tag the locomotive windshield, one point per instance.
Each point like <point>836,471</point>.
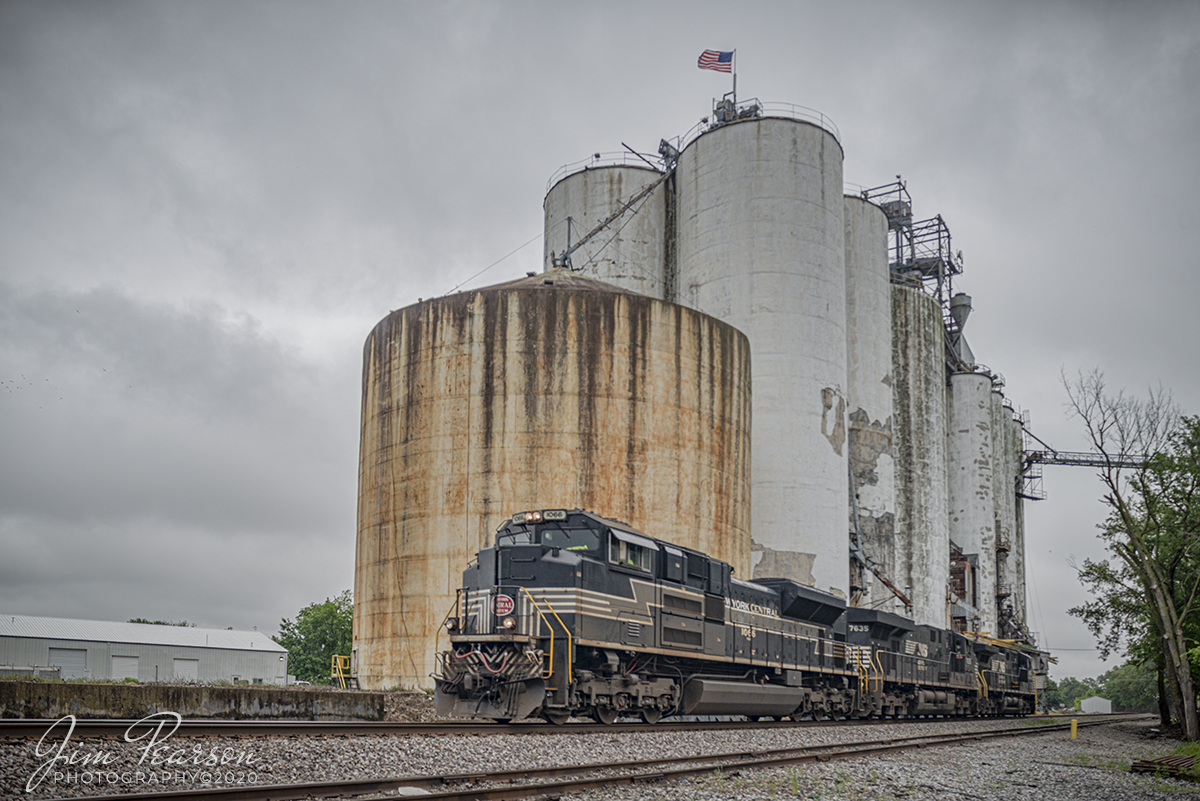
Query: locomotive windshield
<point>550,535</point>
<point>572,539</point>
<point>515,536</point>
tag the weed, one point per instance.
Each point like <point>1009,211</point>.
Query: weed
<point>1172,789</point>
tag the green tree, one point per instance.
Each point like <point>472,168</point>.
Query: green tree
<point>1131,687</point>
<point>1070,691</point>
<point>1154,517</point>
<point>319,631</point>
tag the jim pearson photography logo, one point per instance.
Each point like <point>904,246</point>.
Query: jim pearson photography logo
<point>158,763</point>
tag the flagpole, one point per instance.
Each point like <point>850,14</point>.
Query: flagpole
<point>735,76</point>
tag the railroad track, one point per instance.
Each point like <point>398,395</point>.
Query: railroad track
<point>553,781</point>
<point>18,728</point>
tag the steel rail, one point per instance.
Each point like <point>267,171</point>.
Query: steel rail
<point>24,728</point>
<point>640,771</point>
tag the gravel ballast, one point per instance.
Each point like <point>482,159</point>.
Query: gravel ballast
<point>1046,766</point>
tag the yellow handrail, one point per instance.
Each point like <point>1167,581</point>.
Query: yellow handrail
<point>551,628</point>
<point>982,683</point>
<point>878,671</point>
<point>340,669</point>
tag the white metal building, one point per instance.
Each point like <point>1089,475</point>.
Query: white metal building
<point>101,649</point>
<point>1096,705</point>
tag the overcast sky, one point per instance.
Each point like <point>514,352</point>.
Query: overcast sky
<point>205,207</point>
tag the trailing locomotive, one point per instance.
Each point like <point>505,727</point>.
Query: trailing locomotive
<point>572,614</point>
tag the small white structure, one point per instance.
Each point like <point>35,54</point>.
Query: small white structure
<point>1096,705</point>
<point>101,649</point>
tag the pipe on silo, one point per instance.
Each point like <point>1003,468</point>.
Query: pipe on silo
<point>760,245</point>
<point>869,397</point>
<point>922,559</point>
<point>971,462</point>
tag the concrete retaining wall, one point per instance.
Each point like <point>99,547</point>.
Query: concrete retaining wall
<point>33,699</point>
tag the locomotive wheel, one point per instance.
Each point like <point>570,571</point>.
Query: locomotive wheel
<point>651,714</point>
<point>557,718</point>
<point>605,714</point>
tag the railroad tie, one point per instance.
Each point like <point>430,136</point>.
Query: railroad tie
<point>1171,765</point>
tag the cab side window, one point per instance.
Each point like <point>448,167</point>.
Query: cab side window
<point>629,555</point>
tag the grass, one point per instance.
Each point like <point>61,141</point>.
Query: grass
<point>1193,750</point>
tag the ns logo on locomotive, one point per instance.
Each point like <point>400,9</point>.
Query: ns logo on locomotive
<point>573,614</point>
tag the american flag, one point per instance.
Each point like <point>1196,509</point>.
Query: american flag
<point>719,60</point>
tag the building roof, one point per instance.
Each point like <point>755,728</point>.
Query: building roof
<point>59,628</point>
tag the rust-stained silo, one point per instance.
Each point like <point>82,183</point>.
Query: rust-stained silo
<point>554,391</point>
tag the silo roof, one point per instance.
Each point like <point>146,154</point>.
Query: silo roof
<point>558,278</point>
<point>58,628</point>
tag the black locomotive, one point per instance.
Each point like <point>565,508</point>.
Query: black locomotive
<point>573,614</point>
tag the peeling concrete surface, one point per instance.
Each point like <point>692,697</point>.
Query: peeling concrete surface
<point>972,502</point>
<point>834,431</point>
<point>922,552</point>
<point>769,563</point>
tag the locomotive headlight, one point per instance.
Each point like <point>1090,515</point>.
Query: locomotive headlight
<point>451,624</point>
<point>533,517</point>
<point>509,623</point>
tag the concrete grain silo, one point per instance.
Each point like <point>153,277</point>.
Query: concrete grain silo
<point>970,466</point>
<point>554,391</point>
<point>759,217</point>
<point>1016,557</point>
<point>919,395</point>
<point>869,397</point>
<point>631,252</point>
<point>1004,496</point>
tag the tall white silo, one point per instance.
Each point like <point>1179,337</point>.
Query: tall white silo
<point>919,398</point>
<point>759,216</point>
<point>970,462</point>
<point>631,252</point>
<point>869,399</point>
<point>1004,499</point>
